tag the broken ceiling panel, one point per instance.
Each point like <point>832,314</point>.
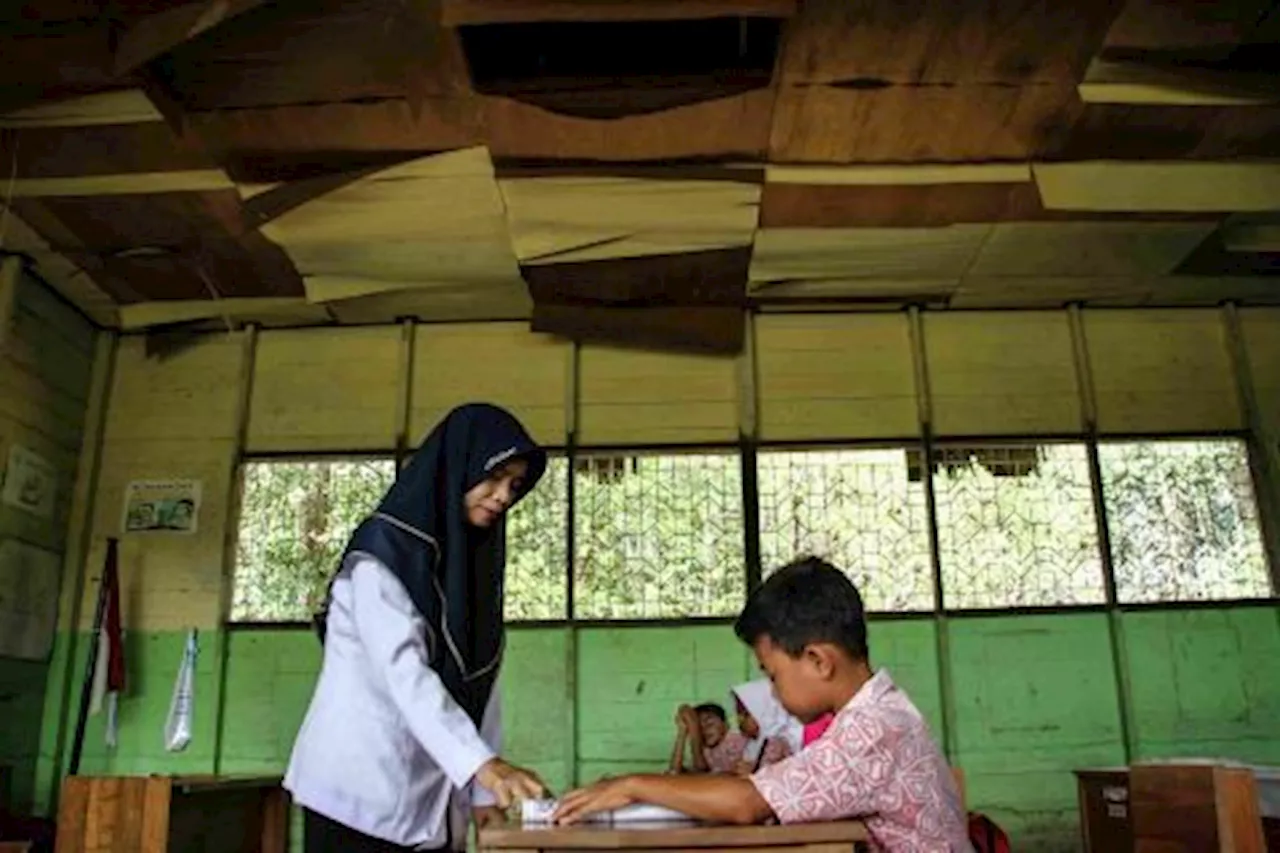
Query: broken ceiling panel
<point>1091,249</point>
<point>791,254</point>
<point>59,272</point>
<point>234,312</point>
<point>437,304</point>
<point>562,219</point>
<point>1206,187</point>
<point>437,218</point>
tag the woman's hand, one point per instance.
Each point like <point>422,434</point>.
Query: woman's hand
<point>510,784</point>
<point>487,816</point>
<point>603,796</point>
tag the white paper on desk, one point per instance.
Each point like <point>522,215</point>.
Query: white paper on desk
<point>540,812</point>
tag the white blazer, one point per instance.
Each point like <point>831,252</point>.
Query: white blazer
<point>384,748</point>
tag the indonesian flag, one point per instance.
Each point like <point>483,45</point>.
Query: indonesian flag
<point>108,674</point>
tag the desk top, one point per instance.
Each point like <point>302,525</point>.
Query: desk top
<point>673,835</point>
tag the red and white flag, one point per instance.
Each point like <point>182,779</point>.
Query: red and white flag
<point>108,673</point>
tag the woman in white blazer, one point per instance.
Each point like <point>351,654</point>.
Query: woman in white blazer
<point>403,730</point>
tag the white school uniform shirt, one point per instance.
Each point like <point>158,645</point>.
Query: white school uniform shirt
<point>384,749</point>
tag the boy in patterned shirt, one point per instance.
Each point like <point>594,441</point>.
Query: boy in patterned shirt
<point>876,762</point>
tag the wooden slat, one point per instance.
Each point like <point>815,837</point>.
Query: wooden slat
<point>1001,373</point>
<point>146,38</point>
<point>591,837</point>
<point>155,818</point>
<point>1108,82</point>
<point>330,389</point>
<point>1161,371</point>
<point>835,376</point>
<point>73,814</point>
<point>785,205</point>
<point>634,397</point>
<point>1092,249</point>
<point>457,13</point>
<point>118,107</point>
<point>790,254</point>
<point>501,363</point>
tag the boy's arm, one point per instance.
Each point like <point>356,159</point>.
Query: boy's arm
<point>719,798</point>
<point>676,764</point>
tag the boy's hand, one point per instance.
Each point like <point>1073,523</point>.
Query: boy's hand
<point>603,796</point>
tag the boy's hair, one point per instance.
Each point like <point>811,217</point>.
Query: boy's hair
<point>712,708</point>
<point>806,601</point>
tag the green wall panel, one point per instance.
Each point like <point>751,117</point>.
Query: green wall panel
<point>630,681</point>
<point>1035,698</point>
<point>22,688</point>
<point>908,651</point>
<point>1206,683</point>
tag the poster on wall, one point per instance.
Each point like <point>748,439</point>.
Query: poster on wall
<point>162,506</point>
<point>30,482</point>
<point>28,599</point>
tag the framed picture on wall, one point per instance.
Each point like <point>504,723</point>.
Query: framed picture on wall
<point>30,482</point>
<point>162,506</point>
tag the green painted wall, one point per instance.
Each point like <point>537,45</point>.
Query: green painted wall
<point>1033,698</point>
<point>22,689</point>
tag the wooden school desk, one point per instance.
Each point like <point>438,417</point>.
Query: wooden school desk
<point>838,837</point>
<point>157,814</point>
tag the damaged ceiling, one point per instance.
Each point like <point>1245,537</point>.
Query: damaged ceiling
<point>640,171</point>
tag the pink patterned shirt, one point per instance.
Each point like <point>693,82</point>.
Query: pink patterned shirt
<point>724,756</point>
<point>876,762</point>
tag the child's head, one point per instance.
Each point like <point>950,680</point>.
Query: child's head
<point>807,627</point>
<point>746,723</point>
<point>713,722</point>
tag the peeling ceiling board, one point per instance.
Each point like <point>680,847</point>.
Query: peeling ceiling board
<point>1134,83</point>
<point>715,277</point>
<point>1123,186</point>
<point>59,272</point>
<point>1050,291</point>
<point>123,106</point>
<point>271,144</point>
<point>287,311</point>
<point>786,205</point>
<point>115,152</point>
<point>896,175</point>
<point>133,184</point>
<point>1143,132</point>
<point>484,303</point>
<point>733,127</point>
<point>1259,233</point>
<point>434,218</point>
<point>855,290</point>
<point>563,219</point>
<point>941,124</point>
<point>786,254</point>
<point>1091,249</point>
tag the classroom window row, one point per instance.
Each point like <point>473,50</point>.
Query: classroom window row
<point>662,535</point>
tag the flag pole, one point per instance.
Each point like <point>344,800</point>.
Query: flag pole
<point>86,690</point>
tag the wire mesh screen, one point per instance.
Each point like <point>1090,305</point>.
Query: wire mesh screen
<point>537,549</point>
<point>658,536</point>
<point>295,520</point>
<point>858,509</point>
<point>1183,520</point>
<point>1016,526</point>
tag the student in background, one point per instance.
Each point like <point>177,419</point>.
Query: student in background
<point>876,762</point>
<point>704,731</point>
<point>768,728</point>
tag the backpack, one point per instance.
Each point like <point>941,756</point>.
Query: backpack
<point>986,836</point>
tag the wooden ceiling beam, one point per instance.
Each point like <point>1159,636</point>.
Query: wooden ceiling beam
<point>457,13</point>
<point>1111,82</point>
<point>147,38</point>
<point>1108,185</point>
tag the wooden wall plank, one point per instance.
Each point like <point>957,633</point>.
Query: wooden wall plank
<point>835,376</point>
<point>1161,370</point>
<point>502,363</point>
<point>636,397</point>
<point>1001,373</point>
<point>328,389</point>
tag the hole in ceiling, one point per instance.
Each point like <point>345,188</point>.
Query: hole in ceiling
<point>593,69</point>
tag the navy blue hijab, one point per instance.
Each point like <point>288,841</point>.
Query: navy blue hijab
<point>452,571</point>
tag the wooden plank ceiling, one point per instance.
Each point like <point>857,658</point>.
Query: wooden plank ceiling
<point>640,174</point>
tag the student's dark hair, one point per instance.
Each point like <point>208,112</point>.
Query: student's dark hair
<point>712,708</point>
<point>806,601</point>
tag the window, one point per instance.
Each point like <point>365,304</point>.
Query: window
<point>1183,521</point>
<point>1016,526</point>
<point>536,552</point>
<point>295,520</point>
<point>658,536</point>
<point>859,509</point>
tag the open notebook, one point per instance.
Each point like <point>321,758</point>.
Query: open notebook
<point>540,812</point>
